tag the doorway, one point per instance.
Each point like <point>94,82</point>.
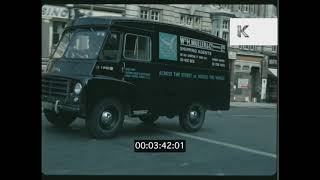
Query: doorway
<point>255,84</point>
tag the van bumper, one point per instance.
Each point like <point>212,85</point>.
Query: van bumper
<point>57,107</point>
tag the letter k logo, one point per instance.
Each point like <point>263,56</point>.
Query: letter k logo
<point>241,31</point>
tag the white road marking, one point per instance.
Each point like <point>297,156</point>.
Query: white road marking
<point>244,115</point>
<point>234,146</point>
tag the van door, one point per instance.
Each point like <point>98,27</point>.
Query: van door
<point>108,63</point>
<point>138,66</point>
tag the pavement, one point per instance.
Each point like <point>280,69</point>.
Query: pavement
<point>253,105</point>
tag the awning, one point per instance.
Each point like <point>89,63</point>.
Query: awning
<point>273,71</point>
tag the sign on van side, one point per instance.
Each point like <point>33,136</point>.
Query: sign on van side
<point>196,43</point>
<point>167,46</point>
<point>191,50</point>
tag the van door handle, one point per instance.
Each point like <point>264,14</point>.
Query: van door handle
<point>123,67</point>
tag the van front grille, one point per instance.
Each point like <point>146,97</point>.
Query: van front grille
<point>56,87</point>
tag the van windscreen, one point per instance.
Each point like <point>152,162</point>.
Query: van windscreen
<point>80,44</point>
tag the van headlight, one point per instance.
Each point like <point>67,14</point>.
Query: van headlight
<point>77,88</point>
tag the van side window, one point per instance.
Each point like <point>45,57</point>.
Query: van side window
<point>137,47</point>
<point>111,48</point>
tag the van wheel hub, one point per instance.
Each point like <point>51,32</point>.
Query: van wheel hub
<point>194,114</point>
<point>106,117</point>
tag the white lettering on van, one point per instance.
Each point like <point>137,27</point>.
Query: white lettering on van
<point>186,41</point>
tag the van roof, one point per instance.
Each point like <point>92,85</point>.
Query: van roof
<point>109,20</point>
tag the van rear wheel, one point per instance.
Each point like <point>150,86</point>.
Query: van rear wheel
<point>192,117</point>
<point>62,119</point>
<point>105,119</point>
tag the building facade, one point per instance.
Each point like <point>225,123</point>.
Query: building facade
<point>253,68</point>
<point>251,79</point>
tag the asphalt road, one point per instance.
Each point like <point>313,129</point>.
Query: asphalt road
<point>241,141</point>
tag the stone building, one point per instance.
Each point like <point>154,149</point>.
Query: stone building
<point>250,73</point>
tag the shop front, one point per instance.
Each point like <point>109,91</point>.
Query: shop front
<point>232,55</point>
<point>247,78</point>
<point>272,80</point>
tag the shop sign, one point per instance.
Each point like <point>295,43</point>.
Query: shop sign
<point>55,11</point>
<point>232,55</point>
<point>63,12</point>
<point>243,83</point>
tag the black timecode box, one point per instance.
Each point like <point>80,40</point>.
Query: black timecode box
<point>159,146</point>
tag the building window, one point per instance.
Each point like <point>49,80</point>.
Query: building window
<point>218,33</point>
<point>144,14</point>
<point>216,23</point>
<point>155,15</point>
<point>246,47</point>
<point>191,21</point>
<point>137,47</point>
<point>274,48</point>
<point>150,14</point>
<point>246,8</point>
<point>197,22</point>
<point>245,68</point>
<point>252,9</point>
<point>225,35</point>
<point>183,19</point>
<point>58,28</point>
<point>225,24</point>
<point>274,11</point>
<point>237,67</point>
<point>252,48</point>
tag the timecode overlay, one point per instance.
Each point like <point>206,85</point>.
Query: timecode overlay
<point>159,146</point>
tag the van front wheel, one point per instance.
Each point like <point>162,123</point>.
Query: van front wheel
<point>192,117</point>
<point>105,119</point>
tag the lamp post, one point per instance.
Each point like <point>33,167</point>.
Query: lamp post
<point>70,7</point>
